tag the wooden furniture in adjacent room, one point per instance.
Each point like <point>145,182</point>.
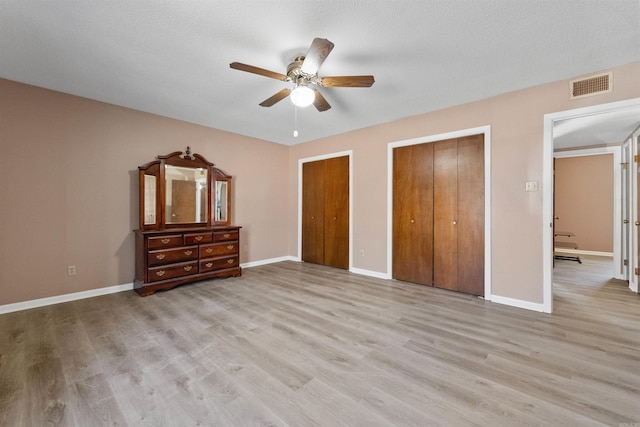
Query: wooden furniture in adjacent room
<point>325,212</point>
<point>185,233</point>
<point>565,245</point>
<point>438,214</point>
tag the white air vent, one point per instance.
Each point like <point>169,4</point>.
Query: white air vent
<point>594,85</point>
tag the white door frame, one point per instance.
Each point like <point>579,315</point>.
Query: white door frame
<point>482,130</point>
<point>547,186</point>
<point>635,215</point>
<point>625,175</point>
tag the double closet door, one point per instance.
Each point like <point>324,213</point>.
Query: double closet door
<point>438,214</point>
<point>325,212</point>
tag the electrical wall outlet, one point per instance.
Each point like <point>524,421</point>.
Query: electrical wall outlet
<point>71,270</point>
<point>361,252</point>
<point>531,186</point>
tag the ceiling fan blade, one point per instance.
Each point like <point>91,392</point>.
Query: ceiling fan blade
<point>275,98</point>
<point>318,52</point>
<point>347,81</point>
<point>257,70</point>
<point>320,102</point>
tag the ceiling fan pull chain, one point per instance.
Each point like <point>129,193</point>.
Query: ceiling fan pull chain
<point>295,121</point>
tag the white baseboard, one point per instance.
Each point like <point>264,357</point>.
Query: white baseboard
<point>518,303</point>
<point>268,261</point>
<point>9,308</point>
<point>370,273</point>
<point>26,305</point>
<point>581,252</point>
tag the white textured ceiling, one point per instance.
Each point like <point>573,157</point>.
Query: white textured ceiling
<point>172,57</point>
<point>597,129</point>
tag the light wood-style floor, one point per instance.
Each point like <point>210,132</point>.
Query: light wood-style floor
<point>303,345</point>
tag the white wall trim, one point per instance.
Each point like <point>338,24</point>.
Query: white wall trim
<point>41,302</point>
<point>581,252</point>
<point>370,273</point>
<point>518,303</point>
<point>348,153</point>
<point>268,261</point>
<point>486,131</point>
<point>547,185</point>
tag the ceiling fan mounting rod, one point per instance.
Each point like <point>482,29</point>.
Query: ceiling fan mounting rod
<point>302,81</point>
<point>299,77</point>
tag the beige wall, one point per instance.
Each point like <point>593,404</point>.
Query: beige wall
<point>68,179</point>
<point>516,121</point>
<point>68,189</point>
<point>584,200</point>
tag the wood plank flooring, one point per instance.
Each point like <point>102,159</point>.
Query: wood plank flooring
<point>297,344</point>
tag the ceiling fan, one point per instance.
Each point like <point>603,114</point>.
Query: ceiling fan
<point>303,73</point>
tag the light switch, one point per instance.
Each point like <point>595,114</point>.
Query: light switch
<point>531,186</point>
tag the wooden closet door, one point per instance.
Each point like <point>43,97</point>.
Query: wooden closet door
<point>459,214</point>
<point>325,212</point>
<point>336,212</point>
<point>438,214</point>
<point>471,215</point>
<point>313,212</point>
<point>413,214</point>
<point>445,214</point>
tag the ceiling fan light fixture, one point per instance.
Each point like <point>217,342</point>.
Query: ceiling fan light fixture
<point>302,96</point>
<point>303,72</point>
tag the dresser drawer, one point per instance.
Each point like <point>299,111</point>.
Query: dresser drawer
<point>216,249</point>
<point>197,238</point>
<point>218,263</point>
<point>169,256</point>
<point>167,241</point>
<point>174,270</point>
<point>225,235</point>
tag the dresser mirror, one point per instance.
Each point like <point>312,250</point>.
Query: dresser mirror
<point>183,190</point>
<point>222,201</point>
<point>149,207</point>
<point>186,194</point>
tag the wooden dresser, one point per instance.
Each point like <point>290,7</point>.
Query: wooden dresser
<point>168,258</point>
<point>185,232</point>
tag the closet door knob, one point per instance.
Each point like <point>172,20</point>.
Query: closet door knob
<point>455,222</point>
<point>412,221</point>
<point>637,222</point>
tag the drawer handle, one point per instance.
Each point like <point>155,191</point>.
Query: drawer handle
<point>160,256</point>
<point>165,241</point>
<point>230,261</point>
<point>187,268</point>
<point>160,273</point>
<point>188,252</point>
<point>230,247</point>
<point>209,250</point>
<point>198,238</point>
<point>209,264</point>
<point>226,235</point>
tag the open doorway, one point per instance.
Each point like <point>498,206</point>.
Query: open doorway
<point>587,207</point>
<point>605,116</point>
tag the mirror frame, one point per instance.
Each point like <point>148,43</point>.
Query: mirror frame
<point>157,168</point>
